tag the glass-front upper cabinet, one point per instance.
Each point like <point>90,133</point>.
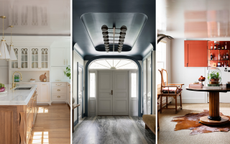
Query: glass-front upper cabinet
<point>34,58</point>
<point>31,58</point>
<point>39,58</point>
<point>24,58</point>
<point>44,58</point>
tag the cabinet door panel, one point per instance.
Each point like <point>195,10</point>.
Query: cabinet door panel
<point>196,53</point>
<point>58,57</point>
<point>45,96</point>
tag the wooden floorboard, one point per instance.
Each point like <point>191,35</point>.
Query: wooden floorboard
<point>112,130</point>
<point>52,125</point>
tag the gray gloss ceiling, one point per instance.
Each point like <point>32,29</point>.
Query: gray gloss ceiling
<point>145,41</point>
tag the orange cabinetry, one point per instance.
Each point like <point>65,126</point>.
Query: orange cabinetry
<point>195,53</point>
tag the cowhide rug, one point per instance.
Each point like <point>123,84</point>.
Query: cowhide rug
<point>191,121</point>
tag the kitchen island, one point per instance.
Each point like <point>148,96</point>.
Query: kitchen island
<point>18,110</point>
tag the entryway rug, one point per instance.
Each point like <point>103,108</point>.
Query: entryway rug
<point>191,121</point>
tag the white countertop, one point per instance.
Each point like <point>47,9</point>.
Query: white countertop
<point>17,97</point>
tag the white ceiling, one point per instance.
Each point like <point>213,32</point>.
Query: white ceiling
<point>194,18</point>
<point>36,17</point>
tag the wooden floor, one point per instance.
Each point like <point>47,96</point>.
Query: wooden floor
<point>52,125</point>
<point>112,130</point>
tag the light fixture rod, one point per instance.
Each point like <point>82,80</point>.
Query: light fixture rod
<point>11,42</point>
<point>114,31</point>
<point>3,17</point>
<point>113,28</point>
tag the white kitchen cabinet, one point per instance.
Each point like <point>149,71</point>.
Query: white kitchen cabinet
<point>22,55</point>
<point>44,93</point>
<point>39,58</point>
<point>59,92</point>
<point>31,58</point>
<point>60,57</point>
<point>57,74</point>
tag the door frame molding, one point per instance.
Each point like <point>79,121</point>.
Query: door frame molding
<point>140,113</point>
<point>81,66</point>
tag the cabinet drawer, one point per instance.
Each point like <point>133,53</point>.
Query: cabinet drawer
<point>58,84</point>
<point>59,96</point>
<point>59,89</point>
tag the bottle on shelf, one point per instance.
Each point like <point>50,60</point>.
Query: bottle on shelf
<point>214,45</point>
<point>219,46</point>
<point>225,46</point>
<point>211,47</point>
<point>226,56</point>
<point>225,64</point>
<point>222,64</point>
<point>219,64</point>
<point>222,47</point>
<point>211,57</point>
<point>219,56</point>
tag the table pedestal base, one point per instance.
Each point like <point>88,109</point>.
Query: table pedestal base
<point>204,120</point>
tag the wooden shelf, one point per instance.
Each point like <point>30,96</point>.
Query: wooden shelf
<point>218,60</point>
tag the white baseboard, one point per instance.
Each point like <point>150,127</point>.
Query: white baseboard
<point>193,101</point>
<point>190,101</point>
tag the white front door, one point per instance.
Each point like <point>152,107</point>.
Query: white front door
<point>120,93</point>
<point>113,95</point>
<point>105,92</point>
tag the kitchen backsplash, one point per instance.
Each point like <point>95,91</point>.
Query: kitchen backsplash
<point>27,75</point>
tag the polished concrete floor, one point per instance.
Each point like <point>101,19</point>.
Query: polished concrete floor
<point>52,125</point>
<point>167,135</point>
<point>112,130</point>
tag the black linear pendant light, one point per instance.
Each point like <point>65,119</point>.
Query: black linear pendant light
<point>116,37</point>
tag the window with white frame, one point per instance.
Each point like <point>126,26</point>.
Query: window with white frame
<point>160,59</point>
<point>92,84</point>
<point>133,83</point>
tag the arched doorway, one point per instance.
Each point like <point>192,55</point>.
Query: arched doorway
<point>113,64</point>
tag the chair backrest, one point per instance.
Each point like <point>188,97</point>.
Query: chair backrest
<point>163,82</point>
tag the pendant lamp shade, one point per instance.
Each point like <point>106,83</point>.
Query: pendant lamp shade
<point>12,53</point>
<point>4,51</point>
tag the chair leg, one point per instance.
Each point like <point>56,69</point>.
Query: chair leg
<point>166,102</point>
<point>160,104</point>
<point>175,104</point>
<point>180,102</point>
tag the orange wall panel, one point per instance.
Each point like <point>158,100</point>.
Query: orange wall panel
<point>195,53</point>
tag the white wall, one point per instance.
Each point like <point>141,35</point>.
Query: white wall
<point>186,75</point>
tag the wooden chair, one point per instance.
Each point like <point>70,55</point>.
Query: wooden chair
<point>169,90</point>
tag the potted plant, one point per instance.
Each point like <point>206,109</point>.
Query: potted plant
<point>214,77</point>
<point>67,72</point>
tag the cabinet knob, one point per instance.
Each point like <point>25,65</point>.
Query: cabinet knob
<point>58,90</point>
<point>58,96</point>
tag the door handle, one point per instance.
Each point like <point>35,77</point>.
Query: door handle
<point>111,92</point>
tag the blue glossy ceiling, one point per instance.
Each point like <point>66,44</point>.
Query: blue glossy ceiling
<point>111,11</point>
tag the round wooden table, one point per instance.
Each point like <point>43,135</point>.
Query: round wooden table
<point>214,117</point>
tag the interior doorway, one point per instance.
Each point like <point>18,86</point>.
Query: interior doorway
<point>113,92</point>
<point>113,87</point>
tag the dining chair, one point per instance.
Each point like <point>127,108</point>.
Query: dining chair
<point>169,90</point>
